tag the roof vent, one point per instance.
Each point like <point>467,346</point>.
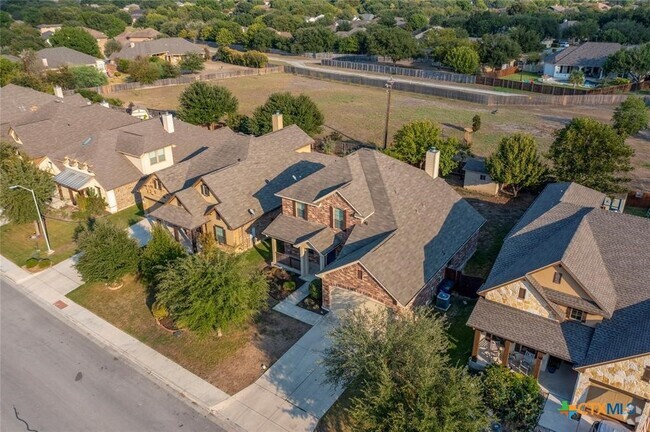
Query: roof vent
<point>87,141</point>
<point>251,211</point>
<point>294,177</point>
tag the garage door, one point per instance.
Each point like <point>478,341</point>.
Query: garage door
<point>614,399</point>
<point>342,300</point>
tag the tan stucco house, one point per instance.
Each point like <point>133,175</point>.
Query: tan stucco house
<point>372,225</point>
<point>228,190</point>
<point>568,302</point>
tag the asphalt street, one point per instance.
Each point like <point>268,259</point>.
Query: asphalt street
<point>53,379</point>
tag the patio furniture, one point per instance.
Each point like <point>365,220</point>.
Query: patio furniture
<point>529,358</point>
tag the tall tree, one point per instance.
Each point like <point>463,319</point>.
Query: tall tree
<point>112,46</point>
<point>401,375</point>
<point>107,253</point>
<point>516,164</point>
<point>592,154</point>
<point>396,43</point>
<point>633,62</point>
<point>299,110</point>
<point>496,50</point>
<point>8,70</point>
<point>631,116</point>
<point>206,104</point>
<point>16,169</point>
<point>463,59</point>
<point>77,39</point>
<point>411,142</point>
<point>192,62</point>
<point>212,291</point>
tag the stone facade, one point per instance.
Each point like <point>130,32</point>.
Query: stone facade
<point>348,278</point>
<point>124,195</point>
<point>509,295</point>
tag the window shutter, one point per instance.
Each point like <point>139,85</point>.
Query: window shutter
<point>345,219</point>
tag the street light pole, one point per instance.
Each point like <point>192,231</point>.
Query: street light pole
<point>389,87</point>
<point>40,217</point>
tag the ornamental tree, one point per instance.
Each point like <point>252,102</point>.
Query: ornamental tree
<point>16,169</point>
<point>411,142</point>
<point>396,43</point>
<point>463,59</point>
<point>516,164</point>
<point>206,104</point>
<point>632,62</point>
<point>77,39</point>
<point>211,291</point>
<point>107,253</point>
<point>161,250</point>
<point>592,154</point>
<point>401,375</point>
<point>631,116</point>
<point>299,110</point>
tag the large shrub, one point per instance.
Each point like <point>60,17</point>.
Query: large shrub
<point>253,59</point>
<point>107,252</point>
<point>300,110</point>
<point>206,104</point>
<point>161,250</point>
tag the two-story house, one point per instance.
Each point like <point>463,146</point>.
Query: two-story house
<point>228,191</point>
<point>92,149</point>
<point>568,302</point>
<point>372,225</point>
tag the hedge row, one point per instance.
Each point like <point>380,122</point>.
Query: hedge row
<point>253,59</point>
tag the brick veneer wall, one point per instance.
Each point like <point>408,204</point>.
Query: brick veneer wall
<point>425,295</point>
<point>464,253</point>
<point>323,213</point>
<point>347,278</point>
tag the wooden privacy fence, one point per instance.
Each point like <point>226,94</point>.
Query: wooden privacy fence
<point>187,79</point>
<point>401,71</point>
<point>468,94</point>
<point>555,90</point>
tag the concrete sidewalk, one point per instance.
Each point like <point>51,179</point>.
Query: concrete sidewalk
<point>48,289</point>
<point>13,272</point>
<point>289,306</point>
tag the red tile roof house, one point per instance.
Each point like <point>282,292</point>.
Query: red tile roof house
<point>568,302</point>
<point>375,226</point>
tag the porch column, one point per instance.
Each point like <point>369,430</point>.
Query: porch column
<point>322,261</point>
<point>274,251</point>
<point>477,340</point>
<point>506,353</point>
<point>304,263</point>
<point>538,364</point>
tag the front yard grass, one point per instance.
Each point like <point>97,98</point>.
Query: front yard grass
<point>231,362</point>
<point>18,246</point>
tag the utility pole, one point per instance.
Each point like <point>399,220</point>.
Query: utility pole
<point>389,87</point>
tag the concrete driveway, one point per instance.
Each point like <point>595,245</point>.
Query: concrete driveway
<point>291,395</point>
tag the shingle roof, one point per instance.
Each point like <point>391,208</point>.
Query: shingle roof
<point>95,33</point>
<point>408,213</point>
<point>475,165</point>
<point>297,231</point>
<point>15,101</point>
<point>63,56</point>
<point>591,54</point>
<point>567,340</point>
<point>606,252</point>
<point>172,46</point>
<point>139,33</point>
<point>177,216</point>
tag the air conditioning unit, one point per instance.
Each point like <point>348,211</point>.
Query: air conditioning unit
<point>443,301</point>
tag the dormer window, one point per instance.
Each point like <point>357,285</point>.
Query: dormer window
<point>205,191</point>
<point>576,315</point>
<point>557,277</point>
<point>156,156</point>
<point>300,210</point>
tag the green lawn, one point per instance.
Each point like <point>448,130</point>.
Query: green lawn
<point>257,257</point>
<point>460,336</point>
<point>18,246</point>
<point>527,76</point>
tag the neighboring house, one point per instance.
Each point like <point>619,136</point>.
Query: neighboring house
<point>139,35</point>
<point>477,177</point>
<point>11,58</point>
<point>589,57</point>
<point>169,49</point>
<point>55,58</point>
<point>100,38</point>
<point>372,225</point>
<point>228,191</point>
<point>90,147</point>
<point>48,28</point>
<point>568,302</point>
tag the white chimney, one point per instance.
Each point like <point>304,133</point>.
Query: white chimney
<point>44,60</point>
<point>278,122</point>
<point>104,104</point>
<point>168,122</point>
<point>58,91</point>
<point>131,44</point>
<point>432,162</point>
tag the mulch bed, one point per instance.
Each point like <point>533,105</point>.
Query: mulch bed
<point>277,278</point>
<point>312,305</point>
